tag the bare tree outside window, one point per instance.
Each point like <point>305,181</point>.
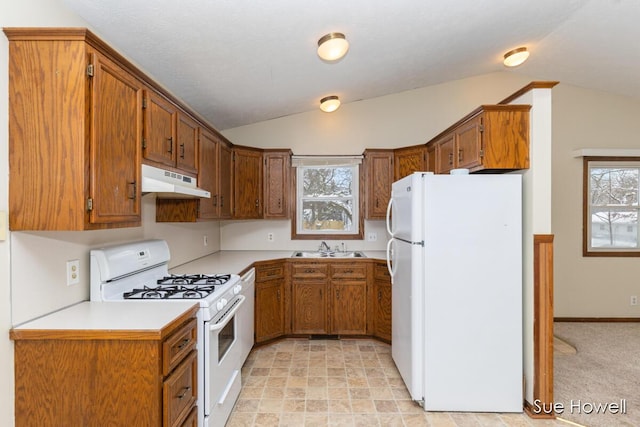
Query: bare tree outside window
<point>613,205</point>
<point>327,199</point>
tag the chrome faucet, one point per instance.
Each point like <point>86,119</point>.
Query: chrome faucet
<point>324,247</point>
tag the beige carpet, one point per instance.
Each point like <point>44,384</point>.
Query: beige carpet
<point>603,370</point>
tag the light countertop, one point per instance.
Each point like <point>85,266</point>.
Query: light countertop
<point>140,317</point>
<point>236,261</point>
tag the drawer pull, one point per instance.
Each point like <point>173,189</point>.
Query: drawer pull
<point>309,270</point>
<point>184,343</point>
<point>185,390</point>
<point>349,271</point>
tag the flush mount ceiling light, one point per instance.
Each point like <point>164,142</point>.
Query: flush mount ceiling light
<point>329,104</point>
<point>515,57</point>
<point>332,46</point>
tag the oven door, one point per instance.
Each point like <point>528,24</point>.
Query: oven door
<point>222,380</point>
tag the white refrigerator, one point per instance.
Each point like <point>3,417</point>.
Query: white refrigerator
<point>455,257</point>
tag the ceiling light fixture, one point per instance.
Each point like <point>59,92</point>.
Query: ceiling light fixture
<point>515,57</point>
<point>329,104</point>
<point>332,46</point>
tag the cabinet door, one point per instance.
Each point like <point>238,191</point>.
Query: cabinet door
<point>382,310</point>
<point>247,183</point>
<point>269,310</point>
<point>431,158</point>
<point>187,143</point>
<point>409,160</point>
<point>469,144</point>
<point>349,307</point>
<point>379,173</point>
<point>116,116</point>
<point>159,130</point>
<point>445,154</point>
<point>276,184</point>
<point>225,180</point>
<point>208,174</point>
<point>310,307</point>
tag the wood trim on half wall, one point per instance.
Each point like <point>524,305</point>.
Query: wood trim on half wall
<point>542,326</point>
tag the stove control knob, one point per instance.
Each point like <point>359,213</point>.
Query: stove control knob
<point>221,303</point>
<point>237,289</point>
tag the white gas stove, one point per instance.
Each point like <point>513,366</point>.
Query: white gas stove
<point>139,271</point>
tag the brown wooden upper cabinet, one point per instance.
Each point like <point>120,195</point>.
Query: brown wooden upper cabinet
<point>277,167</point>
<point>214,158</point>
<point>378,172</point>
<point>73,167</point>
<point>170,136</point>
<point>492,137</point>
<point>247,183</point>
<point>408,160</point>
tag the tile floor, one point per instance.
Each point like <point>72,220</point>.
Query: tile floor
<point>349,382</point>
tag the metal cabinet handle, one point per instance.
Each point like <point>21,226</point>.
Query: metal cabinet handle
<point>337,294</point>
<point>170,141</point>
<point>379,296</point>
<point>257,203</point>
<point>309,271</point>
<point>135,190</point>
<point>278,295</point>
<point>215,200</point>
<point>221,201</point>
<point>460,154</point>
<point>182,151</point>
<point>451,158</point>
<point>185,390</point>
<point>377,202</point>
<point>184,343</point>
<point>279,203</point>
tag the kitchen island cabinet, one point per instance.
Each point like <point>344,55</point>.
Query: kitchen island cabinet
<point>131,363</point>
<point>75,128</point>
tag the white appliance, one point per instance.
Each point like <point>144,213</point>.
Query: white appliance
<point>170,184</point>
<point>455,258</point>
<point>139,270</point>
<point>247,313</point>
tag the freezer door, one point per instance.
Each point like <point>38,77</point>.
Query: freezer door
<point>406,208</point>
<point>407,315</point>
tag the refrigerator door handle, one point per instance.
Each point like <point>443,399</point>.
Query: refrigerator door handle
<point>389,267</point>
<point>389,217</point>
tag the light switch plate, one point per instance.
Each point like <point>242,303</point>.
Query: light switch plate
<point>3,225</point>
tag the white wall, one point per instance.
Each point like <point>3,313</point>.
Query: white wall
<point>588,286</point>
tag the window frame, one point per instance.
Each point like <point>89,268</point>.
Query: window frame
<point>587,250</point>
<point>358,206</point>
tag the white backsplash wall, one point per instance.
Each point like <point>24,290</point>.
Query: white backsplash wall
<point>38,259</point>
<point>253,235</point>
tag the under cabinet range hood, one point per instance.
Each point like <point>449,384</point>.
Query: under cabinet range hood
<point>170,185</point>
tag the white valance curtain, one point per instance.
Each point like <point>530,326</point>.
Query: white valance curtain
<point>298,161</point>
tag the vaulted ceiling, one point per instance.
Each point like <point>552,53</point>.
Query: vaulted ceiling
<point>238,62</point>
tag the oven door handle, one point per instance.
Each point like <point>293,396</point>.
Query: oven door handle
<point>222,322</point>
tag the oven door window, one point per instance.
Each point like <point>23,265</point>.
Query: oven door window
<point>226,336</point>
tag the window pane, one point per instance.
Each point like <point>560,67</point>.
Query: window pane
<point>330,215</point>
<point>614,228</point>
<point>614,186</point>
<point>327,182</point>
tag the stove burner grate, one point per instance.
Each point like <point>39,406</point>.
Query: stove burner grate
<point>170,292</point>
<point>195,279</point>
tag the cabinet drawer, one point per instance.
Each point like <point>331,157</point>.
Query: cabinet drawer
<point>178,345</point>
<point>310,271</point>
<point>381,272</point>
<point>268,272</point>
<point>180,391</point>
<point>192,418</point>
<point>348,271</point>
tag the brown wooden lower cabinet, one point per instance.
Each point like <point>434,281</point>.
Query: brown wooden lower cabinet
<point>312,297</point>
<point>270,301</point>
<point>73,379</point>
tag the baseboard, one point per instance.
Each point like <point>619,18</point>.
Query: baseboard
<point>532,413</point>
<point>597,319</point>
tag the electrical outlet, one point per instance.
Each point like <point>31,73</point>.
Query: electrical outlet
<point>205,240</point>
<point>634,300</point>
<point>73,272</point>
<point>270,237</point>
<point>372,237</point>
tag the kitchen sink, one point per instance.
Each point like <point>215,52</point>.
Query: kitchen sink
<point>328,254</point>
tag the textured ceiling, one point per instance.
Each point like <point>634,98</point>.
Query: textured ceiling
<point>238,62</point>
